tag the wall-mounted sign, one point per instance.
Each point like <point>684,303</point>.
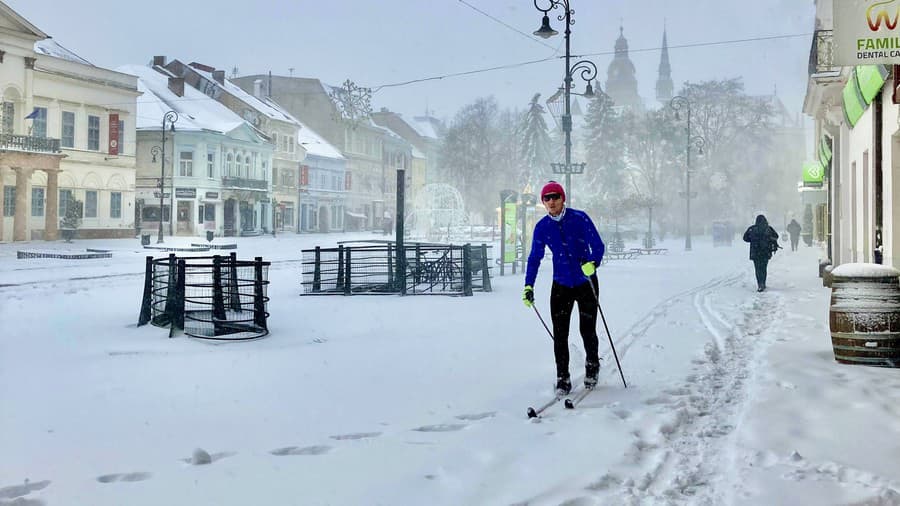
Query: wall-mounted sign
<point>866,32</point>
<point>114,134</point>
<point>212,195</point>
<point>185,193</point>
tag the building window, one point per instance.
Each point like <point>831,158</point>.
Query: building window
<point>121,139</point>
<point>94,133</point>
<point>275,139</point>
<point>65,196</point>
<point>90,204</point>
<point>9,201</point>
<point>37,201</point>
<point>39,122</point>
<point>288,217</point>
<point>246,170</point>
<point>238,161</point>
<point>229,164</point>
<point>287,177</point>
<point>68,130</point>
<point>186,163</point>
<point>9,117</point>
<point>210,165</point>
<point>115,205</point>
<point>265,170</point>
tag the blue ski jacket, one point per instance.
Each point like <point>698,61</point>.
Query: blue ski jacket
<point>573,240</point>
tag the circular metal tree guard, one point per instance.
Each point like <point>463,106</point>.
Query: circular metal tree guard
<point>219,298</point>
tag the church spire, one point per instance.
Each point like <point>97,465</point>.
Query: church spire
<point>664,86</point>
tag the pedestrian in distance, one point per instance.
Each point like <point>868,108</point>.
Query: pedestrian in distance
<point>794,229</point>
<point>763,241</point>
<point>577,251</point>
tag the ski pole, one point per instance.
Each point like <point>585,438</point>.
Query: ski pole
<point>542,321</point>
<point>611,345</point>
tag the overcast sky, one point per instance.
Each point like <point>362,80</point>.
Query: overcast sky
<point>382,42</point>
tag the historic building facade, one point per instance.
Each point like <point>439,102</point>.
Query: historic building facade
<point>66,135</point>
<point>214,166</point>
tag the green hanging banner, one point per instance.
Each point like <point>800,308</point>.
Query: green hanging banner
<point>813,173</point>
<point>854,103</point>
<point>871,78</point>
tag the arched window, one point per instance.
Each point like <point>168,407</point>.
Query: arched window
<point>246,168</point>
<point>229,165</point>
<point>238,160</point>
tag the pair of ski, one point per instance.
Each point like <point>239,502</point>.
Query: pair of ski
<point>573,399</point>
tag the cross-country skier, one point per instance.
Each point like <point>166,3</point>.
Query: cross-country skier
<point>577,250</point>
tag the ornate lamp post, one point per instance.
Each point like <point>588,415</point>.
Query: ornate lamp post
<point>170,117</point>
<point>677,104</point>
<point>586,70</point>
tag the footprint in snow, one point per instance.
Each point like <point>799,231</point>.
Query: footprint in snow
<point>26,488</point>
<point>358,435</point>
<point>477,416</point>
<point>200,457</point>
<point>442,427</point>
<point>130,477</point>
<point>306,450</point>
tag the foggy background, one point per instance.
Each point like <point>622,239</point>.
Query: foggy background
<point>387,42</point>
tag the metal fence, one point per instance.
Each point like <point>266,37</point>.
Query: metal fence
<point>218,298</point>
<point>419,269</point>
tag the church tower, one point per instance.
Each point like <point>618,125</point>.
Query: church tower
<point>664,86</point>
<point>621,82</point>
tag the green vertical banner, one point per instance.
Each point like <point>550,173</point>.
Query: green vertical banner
<point>509,240</point>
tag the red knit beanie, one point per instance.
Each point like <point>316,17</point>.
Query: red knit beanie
<point>553,187</point>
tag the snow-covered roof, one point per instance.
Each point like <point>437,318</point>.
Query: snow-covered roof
<point>50,47</point>
<point>262,106</point>
<point>196,111</point>
<point>424,127</point>
<point>316,144</point>
<point>417,154</point>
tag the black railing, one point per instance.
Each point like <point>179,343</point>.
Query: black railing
<point>242,182</point>
<point>429,269</point>
<point>821,55</point>
<point>29,143</point>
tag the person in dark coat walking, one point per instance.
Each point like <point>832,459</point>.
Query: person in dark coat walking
<point>794,229</point>
<point>763,241</point>
<point>577,251</point>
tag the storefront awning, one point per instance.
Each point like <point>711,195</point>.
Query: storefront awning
<point>825,156</point>
<point>854,103</point>
<point>861,89</point>
<point>871,79</point>
<point>813,173</point>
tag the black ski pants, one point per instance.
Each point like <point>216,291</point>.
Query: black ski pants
<point>562,300</point>
<point>760,265</point>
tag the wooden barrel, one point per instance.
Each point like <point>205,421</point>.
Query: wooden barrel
<point>865,314</point>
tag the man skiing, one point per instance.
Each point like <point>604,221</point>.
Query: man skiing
<point>577,250</point>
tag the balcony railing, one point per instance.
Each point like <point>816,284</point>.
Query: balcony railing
<point>242,182</point>
<point>821,55</point>
<point>29,143</point>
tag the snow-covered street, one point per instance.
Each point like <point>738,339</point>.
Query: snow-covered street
<point>733,396</point>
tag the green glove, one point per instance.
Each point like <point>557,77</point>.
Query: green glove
<point>588,268</point>
<point>528,296</point>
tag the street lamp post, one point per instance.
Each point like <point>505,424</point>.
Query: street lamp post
<point>678,103</point>
<point>170,117</point>
<point>587,71</point>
